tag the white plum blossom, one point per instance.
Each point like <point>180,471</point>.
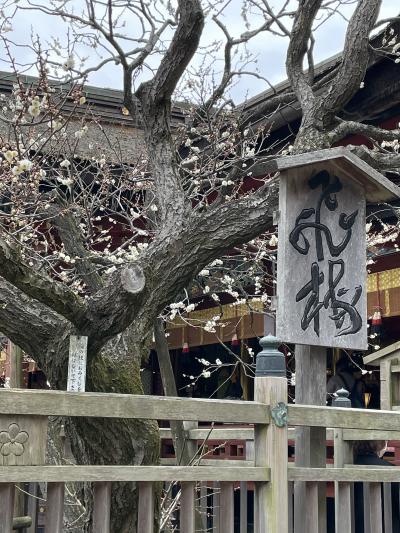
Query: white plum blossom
<point>34,108</point>
<point>69,63</point>
<point>273,241</point>
<point>22,166</point>
<point>10,155</point>
<point>65,181</point>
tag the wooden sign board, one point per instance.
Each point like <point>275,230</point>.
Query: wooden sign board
<point>322,298</point>
<point>321,295</point>
<point>77,364</point>
<point>322,272</point>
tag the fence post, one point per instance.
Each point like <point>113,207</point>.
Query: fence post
<point>270,441</point>
<point>343,454</point>
<point>17,382</point>
<point>6,507</point>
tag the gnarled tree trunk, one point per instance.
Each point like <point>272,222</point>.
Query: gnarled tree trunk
<point>110,441</point>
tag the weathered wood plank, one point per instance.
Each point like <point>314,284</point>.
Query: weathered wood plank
<point>146,508</point>
<point>311,517</point>
<point>216,507</point>
<point>203,504</point>
<point>236,463</point>
<point>375,502</point>
<point>243,507</point>
<point>343,454</point>
<point>367,509</point>
<point>314,416</point>
<point>32,507</point>
<point>387,508</point>
<point>375,356</point>
<point>226,507</point>
<point>16,356</point>
<point>61,403</point>
<point>187,507</point>
<point>54,506</point>
<point>290,506</point>
<point>101,506</point>
<point>370,434</point>
<point>356,473</point>
<point>343,507</point>
<point>310,447</point>
<point>270,447</point>
<point>386,385</point>
<point>235,433</point>
<point>33,430</point>
<point>6,507</point>
<point>65,473</point>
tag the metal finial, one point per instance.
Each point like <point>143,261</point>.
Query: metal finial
<point>342,398</point>
<point>270,361</point>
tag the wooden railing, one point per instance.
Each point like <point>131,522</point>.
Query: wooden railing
<point>28,408</point>
<point>274,479</point>
<point>349,425</point>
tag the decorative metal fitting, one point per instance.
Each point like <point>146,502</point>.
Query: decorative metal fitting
<point>270,361</point>
<point>342,398</point>
<point>279,414</point>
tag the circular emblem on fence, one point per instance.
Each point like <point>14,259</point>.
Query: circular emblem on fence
<point>12,441</point>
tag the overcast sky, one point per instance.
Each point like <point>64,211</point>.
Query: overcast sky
<point>269,50</point>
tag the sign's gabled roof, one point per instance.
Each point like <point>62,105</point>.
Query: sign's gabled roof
<point>377,187</point>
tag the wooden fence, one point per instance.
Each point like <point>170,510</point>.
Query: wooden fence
<point>274,480</point>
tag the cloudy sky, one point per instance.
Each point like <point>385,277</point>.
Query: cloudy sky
<point>269,50</point>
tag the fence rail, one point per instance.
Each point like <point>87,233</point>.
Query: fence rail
<point>66,473</point>
<point>274,479</point>
<point>91,404</point>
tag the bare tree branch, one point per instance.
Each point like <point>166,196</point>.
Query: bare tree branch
<point>378,160</point>
<point>27,322</point>
<point>298,45</point>
<point>72,240</point>
<point>354,63</point>
<point>183,45</point>
<point>39,286</point>
<point>346,128</point>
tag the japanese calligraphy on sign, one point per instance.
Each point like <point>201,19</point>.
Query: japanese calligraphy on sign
<point>77,364</point>
<point>321,261</point>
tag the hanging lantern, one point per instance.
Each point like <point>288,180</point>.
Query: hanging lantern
<point>185,348</point>
<point>235,340</point>
<point>376,322</point>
